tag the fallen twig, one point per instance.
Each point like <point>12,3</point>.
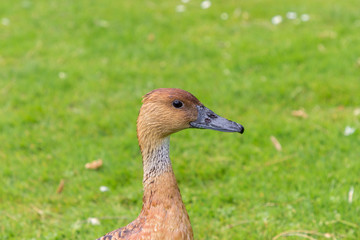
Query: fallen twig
<point>293,234</point>
<point>303,233</point>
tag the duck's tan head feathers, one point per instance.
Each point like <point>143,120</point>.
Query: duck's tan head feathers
<point>166,111</point>
<point>170,93</point>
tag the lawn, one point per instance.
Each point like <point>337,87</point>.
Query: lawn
<point>72,74</point>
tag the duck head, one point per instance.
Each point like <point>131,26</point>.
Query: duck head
<point>169,110</point>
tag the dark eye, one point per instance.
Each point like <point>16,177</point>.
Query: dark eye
<point>177,104</point>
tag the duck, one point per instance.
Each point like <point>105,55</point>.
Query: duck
<point>165,111</point>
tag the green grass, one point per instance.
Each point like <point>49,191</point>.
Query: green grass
<point>109,53</point>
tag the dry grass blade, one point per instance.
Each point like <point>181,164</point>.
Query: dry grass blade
<point>11,217</point>
<point>236,224</point>
<point>61,186</point>
<point>37,210</point>
<point>278,160</point>
<point>276,143</point>
<point>270,163</point>
<point>354,225</point>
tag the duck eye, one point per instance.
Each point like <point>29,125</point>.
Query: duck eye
<point>177,104</point>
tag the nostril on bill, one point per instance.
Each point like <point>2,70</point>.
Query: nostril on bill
<point>211,115</point>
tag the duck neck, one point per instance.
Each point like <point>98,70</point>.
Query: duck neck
<point>156,159</point>
<point>160,186</point>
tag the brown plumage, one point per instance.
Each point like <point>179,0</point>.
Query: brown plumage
<point>163,215</point>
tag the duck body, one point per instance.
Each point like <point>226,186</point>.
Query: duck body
<point>163,215</point>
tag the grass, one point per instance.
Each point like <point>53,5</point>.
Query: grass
<point>72,74</point>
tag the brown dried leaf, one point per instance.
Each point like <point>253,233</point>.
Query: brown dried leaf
<point>299,113</point>
<point>328,235</point>
<point>276,143</point>
<point>61,186</point>
<point>94,164</point>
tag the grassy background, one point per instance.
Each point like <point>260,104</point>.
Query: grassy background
<point>72,74</point>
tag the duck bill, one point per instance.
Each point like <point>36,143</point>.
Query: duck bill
<point>207,119</point>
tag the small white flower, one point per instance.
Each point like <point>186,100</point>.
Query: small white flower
<point>5,21</point>
<point>305,17</point>
<point>205,4</point>
<point>349,130</point>
<point>224,16</point>
<point>276,20</point>
<point>291,15</point>
<point>62,75</point>
<point>185,1</point>
<point>180,8</point>
<point>104,189</point>
<point>93,221</point>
